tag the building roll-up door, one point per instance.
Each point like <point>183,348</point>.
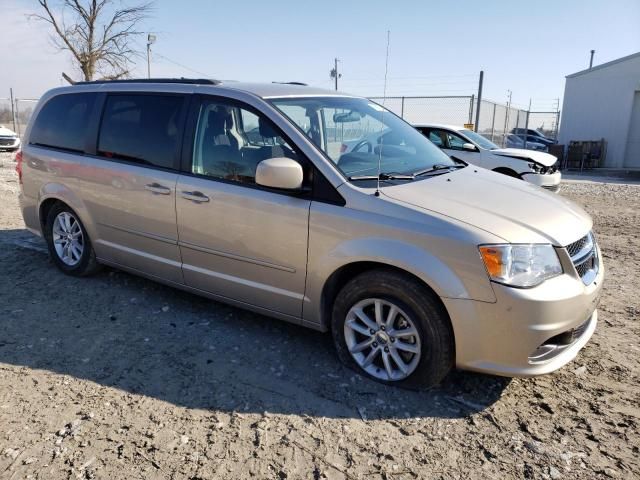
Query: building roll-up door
<point>632,152</point>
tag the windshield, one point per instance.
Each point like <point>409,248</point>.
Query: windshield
<point>357,134</point>
<point>479,140</point>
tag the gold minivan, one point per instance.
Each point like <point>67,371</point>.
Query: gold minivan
<point>244,193</point>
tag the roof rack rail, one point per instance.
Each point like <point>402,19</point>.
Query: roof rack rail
<point>293,83</point>
<point>190,81</point>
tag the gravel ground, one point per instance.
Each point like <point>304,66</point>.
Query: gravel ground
<point>116,377</point>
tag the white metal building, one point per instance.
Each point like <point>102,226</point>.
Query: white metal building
<point>604,102</point>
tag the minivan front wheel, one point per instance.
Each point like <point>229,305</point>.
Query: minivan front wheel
<point>391,328</point>
<point>68,242</point>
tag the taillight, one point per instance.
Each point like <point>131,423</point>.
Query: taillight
<point>18,161</point>
<point>343,148</point>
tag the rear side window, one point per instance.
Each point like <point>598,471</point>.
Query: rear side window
<point>63,122</point>
<point>141,128</point>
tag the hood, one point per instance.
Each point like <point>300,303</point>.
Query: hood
<point>542,158</point>
<point>5,132</point>
<point>512,209</point>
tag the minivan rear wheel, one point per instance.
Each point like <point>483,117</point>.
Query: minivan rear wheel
<point>392,329</point>
<point>68,242</point>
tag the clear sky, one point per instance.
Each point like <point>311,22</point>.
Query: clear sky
<point>436,48</point>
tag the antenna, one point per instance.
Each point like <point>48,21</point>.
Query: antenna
<point>384,99</point>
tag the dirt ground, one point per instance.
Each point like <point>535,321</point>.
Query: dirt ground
<point>116,377</point>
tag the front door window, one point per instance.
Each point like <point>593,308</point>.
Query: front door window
<point>230,141</point>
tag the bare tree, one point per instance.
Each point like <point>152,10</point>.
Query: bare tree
<point>98,33</point>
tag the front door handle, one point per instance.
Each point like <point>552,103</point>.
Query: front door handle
<point>157,188</point>
<point>197,197</point>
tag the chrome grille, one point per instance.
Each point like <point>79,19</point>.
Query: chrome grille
<point>584,256</point>
<point>575,247</point>
<point>5,141</point>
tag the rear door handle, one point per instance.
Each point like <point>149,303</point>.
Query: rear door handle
<point>157,188</point>
<point>197,197</point>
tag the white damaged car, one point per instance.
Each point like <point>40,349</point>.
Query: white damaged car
<point>539,168</point>
<point>8,139</point>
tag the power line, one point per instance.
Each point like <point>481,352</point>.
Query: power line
<point>184,66</point>
<point>369,75</point>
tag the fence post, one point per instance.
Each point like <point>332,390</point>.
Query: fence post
<point>18,116</point>
<point>493,122</point>
<point>471,109</point>
<point>13,112</point>
<point>402,108</point>
<point>506,125</point>
<point>526,125</point>
<point>479,100</point>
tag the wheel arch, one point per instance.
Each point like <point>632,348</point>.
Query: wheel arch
<point>341,276</point>
<point>53,193</point>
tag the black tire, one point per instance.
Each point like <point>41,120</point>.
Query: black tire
<point>418,302</point>
<point>87,264</point>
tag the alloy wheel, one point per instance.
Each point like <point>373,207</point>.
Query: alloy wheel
<point>68,239</point>
<point>382,339</point>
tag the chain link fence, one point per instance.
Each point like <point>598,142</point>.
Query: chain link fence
<point>16,118</point>
<point>6,113</point>
<point>24,108</point>
<point>443,109</point>
<point>496,121</point>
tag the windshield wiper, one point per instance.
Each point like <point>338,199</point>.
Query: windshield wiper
<point>435,168</point>
<point>382,176</point>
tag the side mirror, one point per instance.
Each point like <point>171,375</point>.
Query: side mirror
<point>280,172</point>
<point>469,146</point>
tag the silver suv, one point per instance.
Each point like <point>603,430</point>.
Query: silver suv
<point>243,193</point>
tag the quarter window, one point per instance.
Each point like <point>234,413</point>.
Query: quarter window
<point>230,141</point>
<point>143,129</point>
<point>63,122</point>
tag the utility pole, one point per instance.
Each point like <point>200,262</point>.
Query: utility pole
<point>13,112</point>
<point>556,124</point>
<point>151,38</point>
<point>591,59</point>
<point>475,129</point>
<point>334,73</point>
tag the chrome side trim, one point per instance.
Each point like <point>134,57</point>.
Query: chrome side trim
<point>232,256</point>
<point>244,282</point>
<point>139,253</point>
<point>213,296</point>
<point>152,236</point>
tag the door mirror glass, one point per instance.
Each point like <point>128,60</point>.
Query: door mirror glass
<point>470,147</point>
<point>280,172</point>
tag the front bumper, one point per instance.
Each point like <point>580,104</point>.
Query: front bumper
<point>550,181</point>
<point>508,336</point>
<point>7,143</point>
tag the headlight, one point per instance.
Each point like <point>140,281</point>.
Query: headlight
<point>520,265</point>
<point>536,167</point>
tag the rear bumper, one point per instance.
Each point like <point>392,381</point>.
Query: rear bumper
<point>526,332</point>
<point>29,208</point>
